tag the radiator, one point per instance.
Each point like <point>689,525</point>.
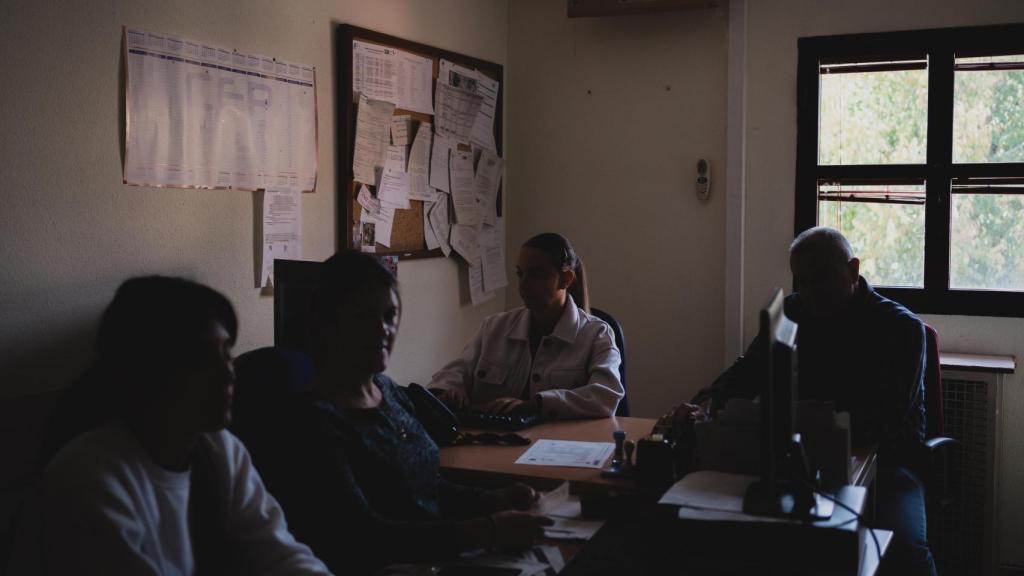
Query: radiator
<point>962,526</point>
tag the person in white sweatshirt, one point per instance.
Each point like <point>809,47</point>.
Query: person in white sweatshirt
<point>550,356</point>
<point>156,485</point>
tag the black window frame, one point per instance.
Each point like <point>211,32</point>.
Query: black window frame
<point>940,47</point>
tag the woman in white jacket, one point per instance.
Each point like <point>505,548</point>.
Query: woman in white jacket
<point>550,356</point>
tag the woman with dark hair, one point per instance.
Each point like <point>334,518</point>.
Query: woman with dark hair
<point>550,356</point>
<point>360,477</point>
<point>151,483</point>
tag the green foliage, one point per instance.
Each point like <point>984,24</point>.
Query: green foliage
<point>881,118</point>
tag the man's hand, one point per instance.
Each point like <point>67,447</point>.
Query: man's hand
<point>520,496</point>
<point>515,530</point>
<point>681,417</point>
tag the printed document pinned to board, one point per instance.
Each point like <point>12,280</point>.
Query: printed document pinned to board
<point>567,453</point>
<point>279,231</point>
<point>396,76</point>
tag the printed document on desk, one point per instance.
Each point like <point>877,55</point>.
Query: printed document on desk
<point>570,453</point>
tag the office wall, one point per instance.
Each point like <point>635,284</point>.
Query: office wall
<point>70,231</point>
<point>773,29</point>
<point>608,117</point>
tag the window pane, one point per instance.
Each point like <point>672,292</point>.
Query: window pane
<point>988,121</point>
<point>987,242</point>
<point>873,117</point>
<point>887,237</point>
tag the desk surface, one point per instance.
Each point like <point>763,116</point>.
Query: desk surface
<point>491,464</point>
<point>496,464</point>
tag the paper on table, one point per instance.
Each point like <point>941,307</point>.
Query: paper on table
<point>373,124</point>
<point>367,201</point>
<point>477,294</point>
<point>492,252</point>
<point>441,224</point>
<point>456,112</point>
<point>709,490</point>
<point>419,165</point>
<point>573,528</point>
<point>464,197</point>
<point>392,75</point>
<point>439,157</point>
<point>567,453</point>
<point>401,126</point>
<point>488,176</point>
<point>280,229</point>
<point>381,226</point>
<point>465,240</point>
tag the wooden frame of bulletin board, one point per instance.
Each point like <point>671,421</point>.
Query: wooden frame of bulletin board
<point>407,240</point>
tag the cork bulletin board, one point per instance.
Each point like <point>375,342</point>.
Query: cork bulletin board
<point>407,237</point>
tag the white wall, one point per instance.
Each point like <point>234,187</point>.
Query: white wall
<point>70,231</point>
<point>773,29</point>
<point>607,118</point>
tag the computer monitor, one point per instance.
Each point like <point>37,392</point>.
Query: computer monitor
<point>784,487</point>
<point>294,284</point>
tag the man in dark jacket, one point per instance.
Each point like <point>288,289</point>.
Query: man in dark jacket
<point>867,354</point>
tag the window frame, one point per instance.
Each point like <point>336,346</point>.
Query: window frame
<point>940,47</point>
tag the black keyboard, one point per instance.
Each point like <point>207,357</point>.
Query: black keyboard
<point>482,420</point>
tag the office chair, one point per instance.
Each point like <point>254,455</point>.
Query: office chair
<point>935,472</point>
<point>620,343</point>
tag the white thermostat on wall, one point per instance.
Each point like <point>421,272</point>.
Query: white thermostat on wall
<point>703,182</point>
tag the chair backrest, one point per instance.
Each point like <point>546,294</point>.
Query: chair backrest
<point>264,378</point>
<point>620,343</point>
<point>935,424</point>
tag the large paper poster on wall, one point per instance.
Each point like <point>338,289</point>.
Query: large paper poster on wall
<point>200,116</point>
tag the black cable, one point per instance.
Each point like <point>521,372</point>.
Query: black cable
<point>857,515</point>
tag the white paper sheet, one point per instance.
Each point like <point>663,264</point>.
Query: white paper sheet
<point>477,293</point>
<point>280,229</point>
<point>492,253</point>
<point>393,188</point>
<point>567,453</point>
<point>396,76</point>
<point>456,112</point>
<point>373,127</point>
<point>440,153</point>
<point>482,132</point>
<point>465,241</point>
<point>401,129</point>
<point>367,201</point>
<point>464,196</point>
<point>709,490</point>
<point>381,223</point>
<point>203,116</point>
<point>373,71</point>
<point>441,224</point>
<point>488,176</point>
<point>419,165</point>
<point>429,238</point>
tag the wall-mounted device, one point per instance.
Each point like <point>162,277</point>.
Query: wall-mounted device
<point>703,182</point>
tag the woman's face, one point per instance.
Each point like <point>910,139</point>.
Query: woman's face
<point>541,285</point>
<point>366,330</point>
<point>200,396</point>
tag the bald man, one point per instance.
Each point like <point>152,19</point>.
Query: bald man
<point>866,353</point>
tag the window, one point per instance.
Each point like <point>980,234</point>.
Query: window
<point>912,145</point>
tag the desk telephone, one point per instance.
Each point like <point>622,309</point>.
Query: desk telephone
<point>443,425</point>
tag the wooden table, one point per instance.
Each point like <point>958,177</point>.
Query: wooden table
<point>494,465</point>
